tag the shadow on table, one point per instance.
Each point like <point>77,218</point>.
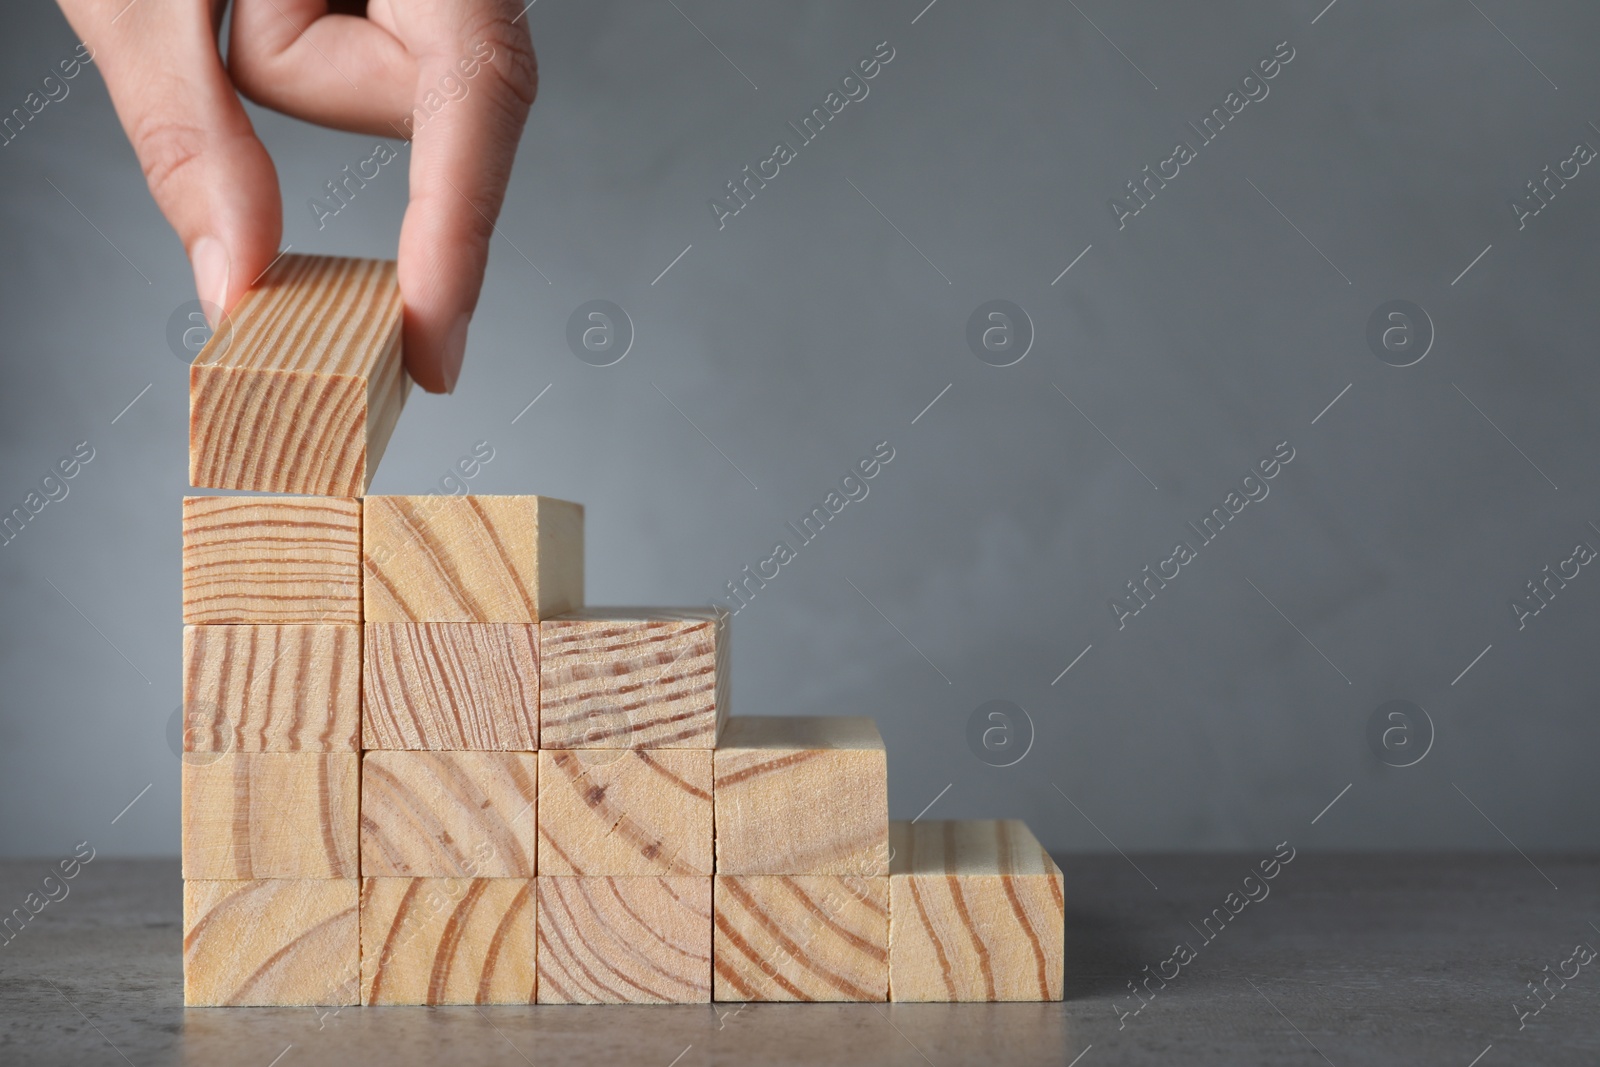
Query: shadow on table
<point>1102,954</point>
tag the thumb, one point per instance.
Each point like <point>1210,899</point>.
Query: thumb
<point>209,173</point>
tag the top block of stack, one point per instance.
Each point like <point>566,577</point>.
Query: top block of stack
<point>300,387</point>
<point>476,559</point>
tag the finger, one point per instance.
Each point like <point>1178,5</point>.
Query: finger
<point>209,174</point>
<point>335,70</point>
<point>475,85</point>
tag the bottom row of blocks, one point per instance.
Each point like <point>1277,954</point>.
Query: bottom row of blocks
<point>957,934</point>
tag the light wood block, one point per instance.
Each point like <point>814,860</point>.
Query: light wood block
<point>624,940</point>
<point>633,678</point>
<point>271,815</point>
<point>271,688</point>
<point>271,560</point>
<point>449,814</point>
<point>977,912</point>
<point>803,937</point>
<point>276,941</point>
<point>633,812</point>
<point>471,558</point>
<point>447,941</point>
<point>301,385</point>
<point>802,795</point>
<point>450,686</point>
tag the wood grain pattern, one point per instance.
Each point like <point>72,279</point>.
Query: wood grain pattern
<point>449,814</point>
<point>271,815</point>
<point>624,940</point>
<point>803,937</point>
<point>633,678</point>
<point>271,560</point>
<point>631,812</point>
<point>450,685</point>
<point>271,688</point>
<point>301,385</point>
<point>977,913</point>
<point>801,795</point>
<point>447,941</point>
<point>471,558</point>
<point>277,941</point>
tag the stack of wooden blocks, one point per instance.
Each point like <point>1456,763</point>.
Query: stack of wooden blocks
<point>418,770</point>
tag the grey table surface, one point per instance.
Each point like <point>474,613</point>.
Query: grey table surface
<point>1376,958</point>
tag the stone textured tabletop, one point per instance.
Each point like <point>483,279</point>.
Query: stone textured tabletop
<point>1370,959</point>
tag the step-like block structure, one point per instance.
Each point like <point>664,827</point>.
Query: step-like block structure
<point>418,769</point>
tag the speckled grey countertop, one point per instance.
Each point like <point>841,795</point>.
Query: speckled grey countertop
<point>1350,959</point>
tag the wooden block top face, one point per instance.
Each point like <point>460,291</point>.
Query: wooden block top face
<point>451,686</point>
<point>624,940</point>
<point>319,314</point>
<point>271,560</point>
<point>801,796</point>
<point>977,913</point>
<point>293,688</point>
<point>447,941</point>
<point>255,815</point>
<point>449,814</point>
<point>633,678</point>
<point>810,937</point>
<point>471,558</point>
<point>625,813</point>
<point>300,386</point>
<point>277,941</point>
<point>797,733</point>
<point>968,847</point>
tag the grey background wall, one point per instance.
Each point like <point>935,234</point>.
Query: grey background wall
<point>826,316</point>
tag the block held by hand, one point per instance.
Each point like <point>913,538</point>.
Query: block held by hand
<point>302,383</point>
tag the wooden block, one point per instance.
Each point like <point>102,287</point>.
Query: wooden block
<point>271,815</point>
<point>624,940</point>
<point>471,558</point>
<point>447,941</point>
<point>273,941</point>
<point>271,560</point>
<point>801,937</point>
<point>451,685</point>
<point>301,385</point>
<point>802,795</point>
<point>977,912</point>
<point>271,688</point>
<point>449,814</point>
<point>633,678</point>
<point>625,812</point>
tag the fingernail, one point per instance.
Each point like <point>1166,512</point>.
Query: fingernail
<point>453,352</point>
<point>211,270</point>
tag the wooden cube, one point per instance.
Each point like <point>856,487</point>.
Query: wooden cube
<point>632,812</point>
<point>624,940</point>
<point>274,941</point>
<point>802,795</point>
<point>471,558</point>
<point>633,678</point>
<point>449,814</point>
<point>290,688</point>
<point>447,941</point>
<point>802,937</point>
<point>249,559</point>
<point>301,385</point>
<point>462,686</point>
<point>977,913</point>
<point>255,815</point>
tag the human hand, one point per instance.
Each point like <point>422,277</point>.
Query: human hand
<point>402,70</point>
